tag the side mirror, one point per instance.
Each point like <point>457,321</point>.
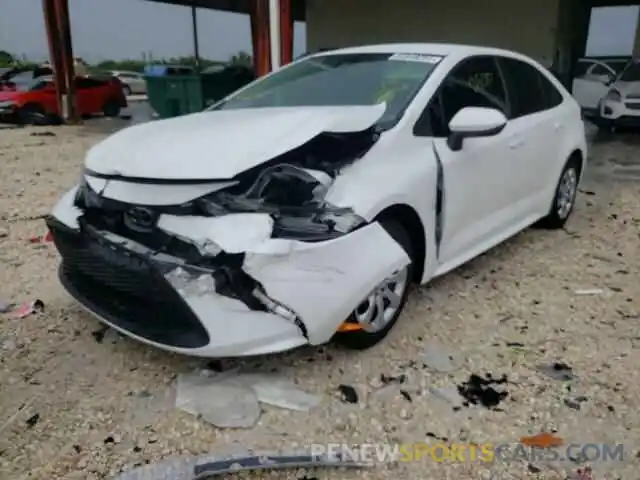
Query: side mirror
<point>473,122</point>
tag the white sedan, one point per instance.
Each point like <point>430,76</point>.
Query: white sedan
<point>302,207</point>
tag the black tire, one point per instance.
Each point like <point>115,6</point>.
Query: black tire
<point>31,114</point>
<point>554,220</point>
<point>111,108</point>
<point>361,339</point>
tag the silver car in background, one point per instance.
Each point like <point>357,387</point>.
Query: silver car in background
<point>133,83</point>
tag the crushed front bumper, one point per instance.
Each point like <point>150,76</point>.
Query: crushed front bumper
<point>129,289</point>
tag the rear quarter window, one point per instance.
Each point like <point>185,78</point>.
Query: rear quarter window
<point>530,91</point>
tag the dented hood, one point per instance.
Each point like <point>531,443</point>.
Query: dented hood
<point>220,144</point>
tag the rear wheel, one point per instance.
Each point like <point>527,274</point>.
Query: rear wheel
<point>378,313</point>
<point>31,114</point>
<point>564,197</point>
<point>111,108</point>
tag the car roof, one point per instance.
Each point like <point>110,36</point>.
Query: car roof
<point>442,49</point>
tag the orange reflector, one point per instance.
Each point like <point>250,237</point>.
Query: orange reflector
<point>349,327</point>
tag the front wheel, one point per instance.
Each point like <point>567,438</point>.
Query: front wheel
<point>111,108</point>
<point>564,197</point>
<point>378,313</point>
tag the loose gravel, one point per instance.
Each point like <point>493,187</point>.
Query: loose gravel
<point>77,403</point>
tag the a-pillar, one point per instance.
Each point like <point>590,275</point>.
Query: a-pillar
<point>636,43</point>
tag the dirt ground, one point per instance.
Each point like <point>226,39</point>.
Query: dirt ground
<point>73,407</point>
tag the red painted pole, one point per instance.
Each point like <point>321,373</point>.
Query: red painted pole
<point>260,36</point>
<point>51,25</point>
<point>286,32</point>
<point>70,112</point>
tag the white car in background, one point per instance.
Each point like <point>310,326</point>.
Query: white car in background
<point>133,83</point>
<point>301,207</point>
<point>592,81</point>
<point>621,104</point>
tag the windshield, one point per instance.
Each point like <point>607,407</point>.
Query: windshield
<point>631,73</point>
<point>341,80</point>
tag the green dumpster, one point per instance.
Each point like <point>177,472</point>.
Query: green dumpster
<point>172,94</point>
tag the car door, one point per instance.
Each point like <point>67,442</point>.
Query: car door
<point>534,117</point>
<point>476,178</point>
<point>592,84</point>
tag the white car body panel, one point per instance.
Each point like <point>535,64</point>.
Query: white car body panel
<point>590,88</point>
<point>219,145</point>
<point>494,187</point>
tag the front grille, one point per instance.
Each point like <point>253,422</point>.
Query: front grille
<point>632,106</point>
<point>125,289</point>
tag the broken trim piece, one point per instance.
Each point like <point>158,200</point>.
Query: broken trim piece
<point>205,466</point>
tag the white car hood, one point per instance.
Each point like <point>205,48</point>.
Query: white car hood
<point>220,144</point>
<point>626,88</point>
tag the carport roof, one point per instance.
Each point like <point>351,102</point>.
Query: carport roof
<point>237,6</point>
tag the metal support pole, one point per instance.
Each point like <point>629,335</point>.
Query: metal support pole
<point>69,110</point>
<point>51,25</point>
<point>260,37</point>
<point>274,33</point>
<point>194,29</point>
<point>286,32</point>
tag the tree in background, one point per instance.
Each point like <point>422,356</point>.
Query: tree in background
<point>241,59</point>
<point>6,59</point>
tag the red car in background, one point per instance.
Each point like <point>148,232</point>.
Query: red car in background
<point>27,100</point>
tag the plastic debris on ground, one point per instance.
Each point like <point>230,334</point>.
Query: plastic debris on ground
<point>208,466</point>
<point>46,238</point>
<point>437,358</point>
<point>558,371</point>
<point>479,390</point>
<point>6,307</point>
<point>589,291</point>
<point>29,308</point>
<point>232,399</point>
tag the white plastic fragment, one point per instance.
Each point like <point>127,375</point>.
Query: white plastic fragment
<point>589,291</point>
<point>232,399</point>
<point>222,403</point>
<point>438,358</point>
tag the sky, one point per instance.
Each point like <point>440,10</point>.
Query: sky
<point>118,29</point>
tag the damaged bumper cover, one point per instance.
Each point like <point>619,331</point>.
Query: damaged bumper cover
<point>259,295</point>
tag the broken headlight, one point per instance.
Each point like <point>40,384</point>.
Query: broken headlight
<point>294,197</point>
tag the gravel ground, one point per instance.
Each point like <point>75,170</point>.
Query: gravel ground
<point>71,407</point>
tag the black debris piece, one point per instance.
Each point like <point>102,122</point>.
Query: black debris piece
<point>43,134</point>
<point>387,379</point>
<point>533,469</point>
<point>558,371</point>
<point>588,192</point>
<point>77,448</point>
<point>436,437</point>
<point>406,395</point>
<point>515,344</point>
<point>348,393</point>
<point>98,335</point>
<point>479,391</point>
<point>32,420</point>
<point>109,440</point>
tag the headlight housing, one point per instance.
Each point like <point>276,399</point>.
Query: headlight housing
<point>614,96</point>
<point>294,197</point>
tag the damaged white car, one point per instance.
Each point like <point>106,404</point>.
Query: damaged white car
<point>301,208</point>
